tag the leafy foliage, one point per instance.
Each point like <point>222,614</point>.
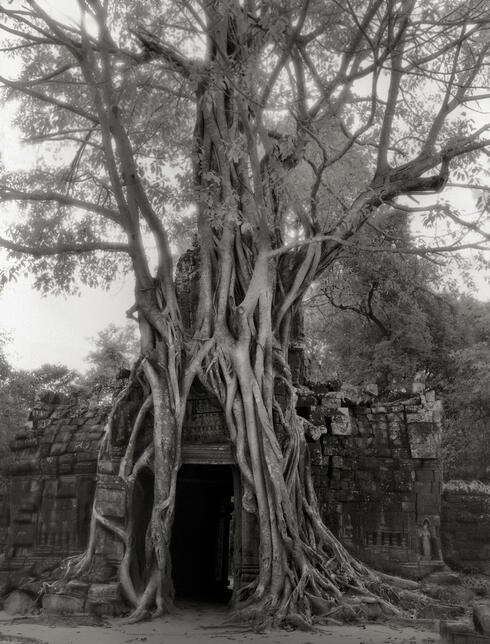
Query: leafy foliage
<point>373,310</point>
<point>410,326</point>
<point>115,348</point>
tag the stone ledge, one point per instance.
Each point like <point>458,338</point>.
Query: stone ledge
<point>461,633</point>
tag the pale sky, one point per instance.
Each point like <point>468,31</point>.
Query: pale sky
<point>58,329</point>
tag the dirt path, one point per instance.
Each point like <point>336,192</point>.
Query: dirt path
<point>196,625</point>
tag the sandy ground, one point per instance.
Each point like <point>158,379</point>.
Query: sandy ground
<point>197,624</point>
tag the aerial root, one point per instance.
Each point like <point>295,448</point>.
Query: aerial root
<point>138,615</point>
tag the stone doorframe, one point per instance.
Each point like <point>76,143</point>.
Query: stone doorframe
<point>245,564</point>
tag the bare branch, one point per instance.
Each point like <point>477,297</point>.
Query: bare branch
<point>469,186</point>
<point>70,107</point>
<point>395,81</point>
<point>64,248</point>
<point>422,250</point>
<point>284,55</point>
<point>10,194</point>
<point>471,225</point>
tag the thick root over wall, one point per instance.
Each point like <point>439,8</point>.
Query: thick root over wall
<point>305,574</point>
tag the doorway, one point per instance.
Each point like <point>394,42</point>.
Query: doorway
<point>200,546</point>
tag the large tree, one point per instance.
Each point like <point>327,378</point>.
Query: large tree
<point>276,129</point>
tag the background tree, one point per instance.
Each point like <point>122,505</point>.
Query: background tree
<point>374,311</point>
<point>383,319</point>
<point>150,111</point>
<point>115,348</point>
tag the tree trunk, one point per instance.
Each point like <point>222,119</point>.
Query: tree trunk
<point>237,346</point>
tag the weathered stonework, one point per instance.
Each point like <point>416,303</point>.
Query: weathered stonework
<point>375,468</point>
<point>465,520</point>
<point>51,483</point>
<point>378,477</point>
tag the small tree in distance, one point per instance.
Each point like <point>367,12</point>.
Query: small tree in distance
<point>277,130</point>
<point>115,348</point>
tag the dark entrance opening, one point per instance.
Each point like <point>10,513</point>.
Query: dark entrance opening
<point>200,546</point>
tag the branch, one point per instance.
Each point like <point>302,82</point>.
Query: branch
<point>48,77</point>
<point>366,313</point>
<point>469,186</point>
<point>394,88</point>
<point>424,250</point>
<point>468,224</point>
<point>444,109</point>
<point>153,49</point>
<point>352,57</point>
<point>284,56</point>
<point>371,315</point>
<point>62,248</point>
<point>8,194</point>
<point>21,87</point>
<point>408,178</point>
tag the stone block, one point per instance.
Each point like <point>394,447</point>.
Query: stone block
<point>424,440</point>
<point>350,394</point>
<point>23,535</point>
<point>50,465</point>
<point>58,448</point>
<point>365,429</point>
<point>19,603</point>
<point>63,603</point>
<point>64,436</point>
<point>341,422</point>
<point>111,502</point>
<point>461,633</point>
<point>77,588</point>
<point>424,476</point>
<point>331,400</point>
<point>315,454</point>
<point>85,467</point>
<point>85,456</point>
<point>306,398</point>
<point>481,617</point>
<point>443,578</point>
<point>420,415</point>
<point>396,408</point>
<point>66,459</point>
<point>99,593</point>
<point>371,389</point>
<point>313,431</point>
<point>106,467</point>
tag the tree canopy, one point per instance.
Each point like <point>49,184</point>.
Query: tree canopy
<point>359,103</point>
<point>277,132</point>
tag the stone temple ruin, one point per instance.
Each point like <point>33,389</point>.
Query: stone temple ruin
<point>376,469</point>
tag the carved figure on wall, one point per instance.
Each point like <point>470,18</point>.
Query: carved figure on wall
<point>348,532</point>
<point>425,539</point>
<point>429,542</point>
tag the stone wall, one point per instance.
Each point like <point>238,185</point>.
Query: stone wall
<point>465,524</point>
<point>51,482</point>
<point>375,466</point>
<point>376,469</point>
